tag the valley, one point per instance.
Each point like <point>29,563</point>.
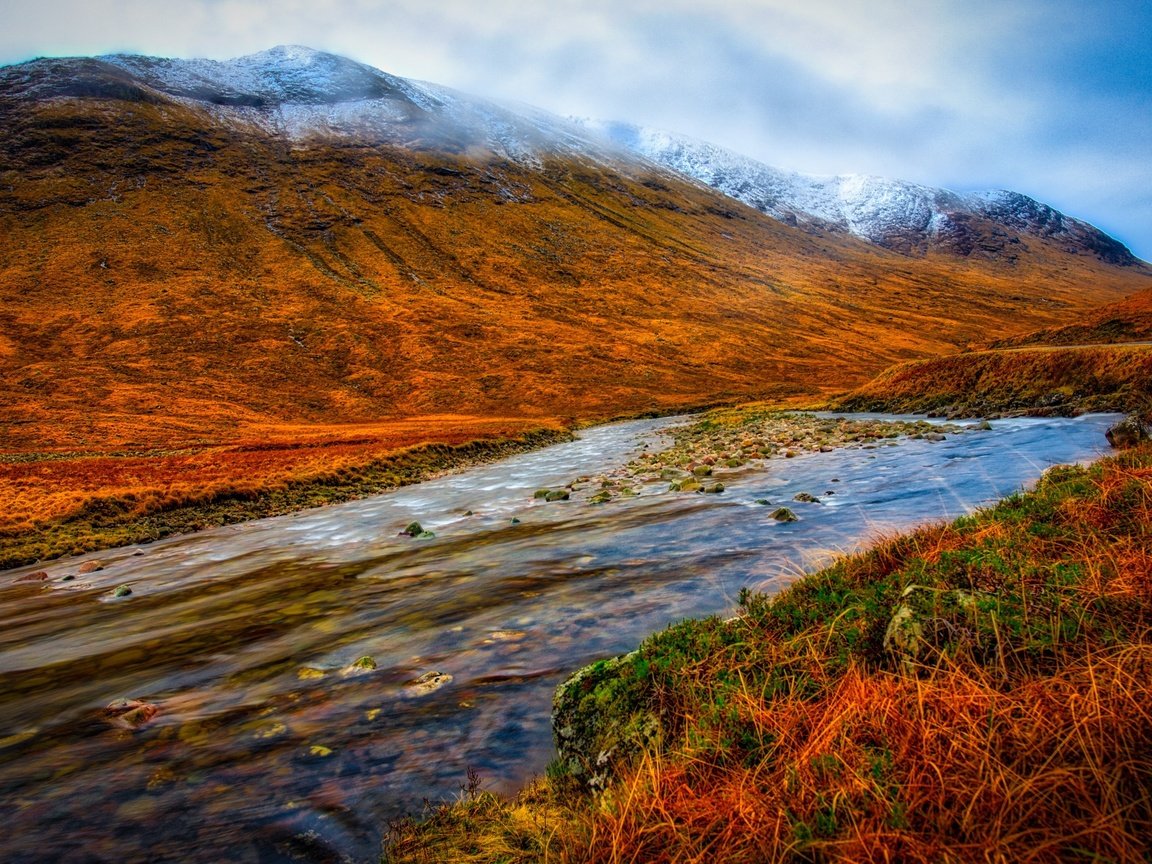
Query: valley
<point>202,287</point>
<point>346,417</point>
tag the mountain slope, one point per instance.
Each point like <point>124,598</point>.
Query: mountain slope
<point>905,217</point>
<point>1130,320</point>
<point>195,255</point>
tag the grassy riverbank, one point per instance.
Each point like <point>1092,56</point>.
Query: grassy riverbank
<point>84,503</point>
<point>976,691</point>
<point>1034,380</point>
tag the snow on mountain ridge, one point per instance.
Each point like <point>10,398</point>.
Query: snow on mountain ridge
<point>286,74</point>
<point>896,214</point>
<point>303,94</point>
<point>310,96</point>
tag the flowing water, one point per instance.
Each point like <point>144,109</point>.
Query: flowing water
<point>270,746</point>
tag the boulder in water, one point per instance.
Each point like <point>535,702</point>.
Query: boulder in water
<point>1129,432</point>
<point>429,682</point>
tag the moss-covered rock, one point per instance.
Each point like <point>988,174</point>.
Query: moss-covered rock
<point>783,514</point>
<point>927,618</point>
<point>601,717</point>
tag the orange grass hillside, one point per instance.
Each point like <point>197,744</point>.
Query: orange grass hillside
<point>1032,380</point>
<point>167,278</point>
<point>1130,320</point>
<point>973,692</point>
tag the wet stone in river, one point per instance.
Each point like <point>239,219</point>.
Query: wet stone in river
<point>429,682</point>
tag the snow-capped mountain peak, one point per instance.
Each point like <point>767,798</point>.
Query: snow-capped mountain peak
<point>284,75</point>
<point>312,97</point>
<point>896,214</point>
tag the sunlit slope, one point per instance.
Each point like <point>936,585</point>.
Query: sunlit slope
<point>1130,320</point>
<point>165,277</point>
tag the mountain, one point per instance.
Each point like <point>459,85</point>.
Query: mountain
<point>897,215</point>
<point>303,95</point>
<point>203,252</point>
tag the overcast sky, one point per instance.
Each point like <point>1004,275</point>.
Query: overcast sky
<point>1048,97</point>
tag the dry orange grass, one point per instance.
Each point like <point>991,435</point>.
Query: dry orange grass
<point>949,766</point>
<point>1130,320</point>
<point>166,281</point>
<point>1061,379</point>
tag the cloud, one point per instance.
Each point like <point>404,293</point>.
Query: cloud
<point>1048,96</point>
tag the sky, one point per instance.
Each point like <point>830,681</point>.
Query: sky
<point>1052,98</point>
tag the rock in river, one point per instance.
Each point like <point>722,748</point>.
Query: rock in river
<point>130,713</point>
<point>1127,433</point>
<point>429,682</point>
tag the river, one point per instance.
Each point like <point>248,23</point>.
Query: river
<point>270,745</point>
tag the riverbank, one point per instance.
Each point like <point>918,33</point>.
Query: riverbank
<point>69,504</point>
<point>970,691</point>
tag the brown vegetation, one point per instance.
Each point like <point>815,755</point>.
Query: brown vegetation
<point>1022,380</point>
<point>59,504</point>
<point>168,280</point>
<point>1130,320</point>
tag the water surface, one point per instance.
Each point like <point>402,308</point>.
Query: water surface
<point>267,747</point>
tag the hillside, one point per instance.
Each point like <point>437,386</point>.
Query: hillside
<point>290,252</point>
<point>1130,320</point>
<point>1101,363</point>
<point>1031,380</point>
